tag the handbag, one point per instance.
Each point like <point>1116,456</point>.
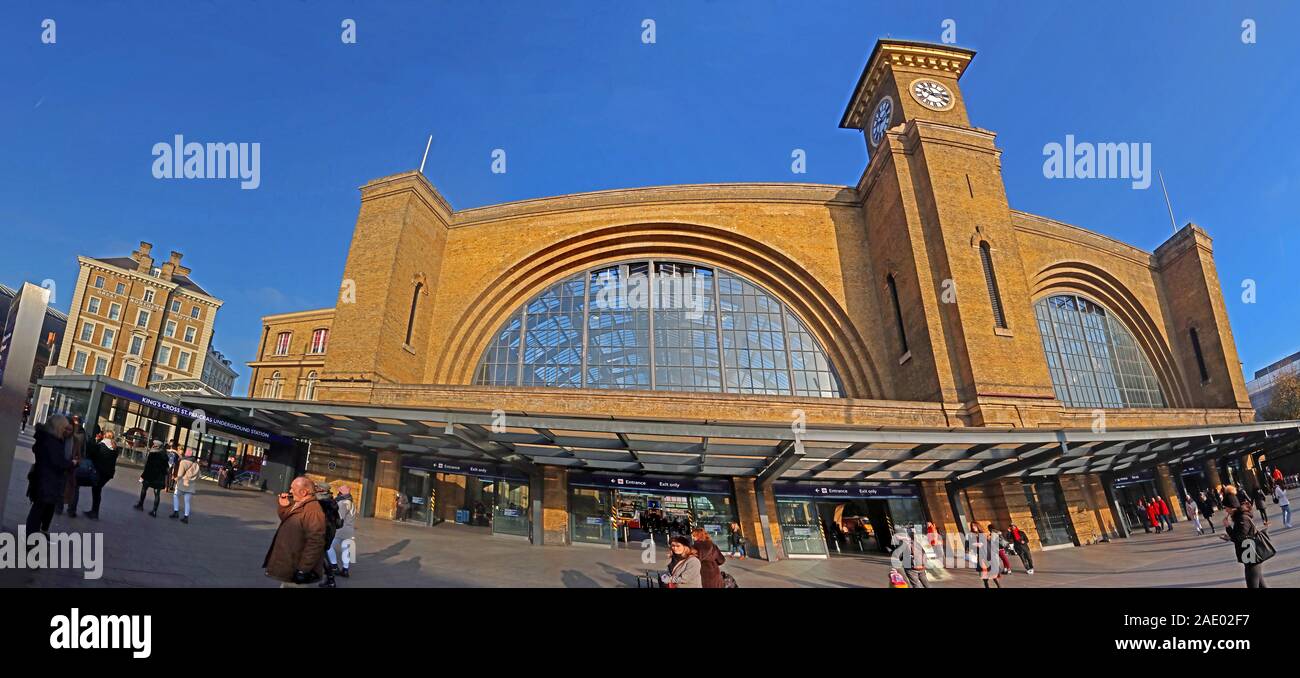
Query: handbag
<point>87,474</point>
<point>1260,546</point>
<point>728,581</point>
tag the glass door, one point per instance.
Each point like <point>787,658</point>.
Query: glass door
<point>1050,514</point>
<point>417,485</point>
<point>801,531</point>
<point>592,512</point>
<point>510,513</point>
<point>713,513</point>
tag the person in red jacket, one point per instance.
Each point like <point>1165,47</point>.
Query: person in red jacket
<point>1164,515</point>
<point>1153,515</point>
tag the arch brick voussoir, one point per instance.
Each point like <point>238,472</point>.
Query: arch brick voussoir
<point>763,265</point>
<point>1091,281</point>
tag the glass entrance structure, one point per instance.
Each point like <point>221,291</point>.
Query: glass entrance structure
<point>659,325</point>
<point>1048,507</point>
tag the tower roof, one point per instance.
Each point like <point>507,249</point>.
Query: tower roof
<point>903,53</point>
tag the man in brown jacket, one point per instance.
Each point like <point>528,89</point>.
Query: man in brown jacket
<point>297,553</point>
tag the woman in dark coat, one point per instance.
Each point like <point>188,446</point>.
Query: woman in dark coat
<point>104,457</point>
<point>46,480</point>
<point>1243,528</point>
<point>711,559</point>
<point>154,476</point>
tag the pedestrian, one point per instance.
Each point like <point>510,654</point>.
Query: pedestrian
<point>990,571</point>
<point>913,561</point>
<point>1277,475</point>
<point>711,559</point>
<point>1145,513</point>
<point>45,480</point>
<point>153,477</point>
<point>1153,516</point>
<point>345,537</point>
<point>1252,550</point>
<point>1260,500</point>
<point>995,538</point>
<point>736,541</point>
<point>1230,499</point>
<point>1283,502</point>
<point>1165,516</point>
<point>684,567</point>
<point>1020,544</point>
<point>187,483</point>
<point>297,551</point>
<point>27,412</point>
<point>104,456</point>
<point>74,452</point>
<point>1193,511</point>
<point>173,458</point>
<point>1207,510</point>
<point>399,507</point>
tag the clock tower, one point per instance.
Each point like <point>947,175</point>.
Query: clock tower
<point>907,81</point>
<point>940,235</point>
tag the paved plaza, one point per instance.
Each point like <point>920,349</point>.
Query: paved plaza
<point>224,545</point>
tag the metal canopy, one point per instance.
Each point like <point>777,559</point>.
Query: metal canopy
<point>964,456</point>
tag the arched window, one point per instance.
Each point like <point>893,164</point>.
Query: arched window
<point>415,302</point>
<point>309,386</point>
<point>991,281</point>
<point>1092,357</point>
<point>271,389</point>
<point>898,313</point>
<point>658,325</point>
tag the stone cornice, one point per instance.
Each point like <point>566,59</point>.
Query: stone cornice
<point>901,54</point>
<point>1039,225</point>
<point>818,194</point>
<point>298,315</point>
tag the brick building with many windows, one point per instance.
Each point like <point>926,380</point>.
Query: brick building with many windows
<point>139,321</point>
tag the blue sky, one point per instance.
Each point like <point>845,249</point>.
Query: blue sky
<point>580,104</point>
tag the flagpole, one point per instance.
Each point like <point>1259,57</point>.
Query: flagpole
<point>426,153</point>
<point>1172,221</point>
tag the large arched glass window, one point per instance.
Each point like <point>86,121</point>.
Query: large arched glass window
<point>658,325</point>
<point>1092,356</point>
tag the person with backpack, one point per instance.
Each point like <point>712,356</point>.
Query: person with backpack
<point>345,538</point>
<point>1020,544</point>
<point>333,521</point>
<point>153,477</point>
<point>1260,500</point>
<point>187,483</point>
<point>711,559</point>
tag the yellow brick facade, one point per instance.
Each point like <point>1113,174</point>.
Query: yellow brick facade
<point>426,287</point>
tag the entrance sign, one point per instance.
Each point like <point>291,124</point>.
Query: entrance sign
<point>209,420</point>
<point>22,331</point>
<point>846,490</point>
<point>635,483</point>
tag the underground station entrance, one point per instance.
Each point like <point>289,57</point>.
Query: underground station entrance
<point>610,482</point>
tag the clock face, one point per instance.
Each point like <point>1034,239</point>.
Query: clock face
<point>932,94</point>
<point>881,118</point>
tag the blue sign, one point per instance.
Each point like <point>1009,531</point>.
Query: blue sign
<point>847,490</point>
<point>215,422</point>
<point>650,483</point>
<point>464,468</point>
<point>1134,478</point>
